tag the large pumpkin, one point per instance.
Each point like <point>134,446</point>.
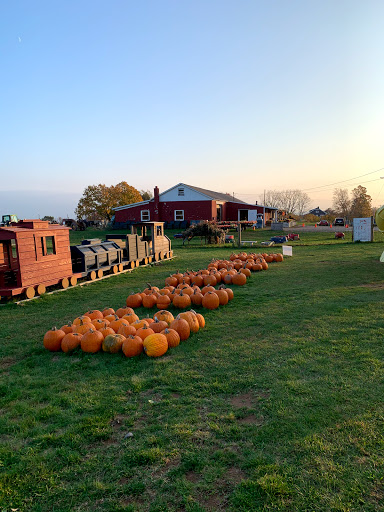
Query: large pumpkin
<point>191,319</point>
<point>155,345</point>
<point>113,343</point>
<point>52,339</point>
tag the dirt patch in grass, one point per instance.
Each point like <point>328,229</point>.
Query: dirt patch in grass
<point>118,422</point>
<point>7,362</point>
<point>175,395</point>
<point>252,419</point>
<point>249,399</point>
<point>192,476</point>
<point>234,475</point>
<point>213,502</point>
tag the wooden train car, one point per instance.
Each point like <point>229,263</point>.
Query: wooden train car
<point>35,254</point>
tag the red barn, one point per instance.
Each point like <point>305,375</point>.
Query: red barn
<point>183,204</point>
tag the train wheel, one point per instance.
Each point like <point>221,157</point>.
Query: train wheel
<point>73,280</point>
<point>30,292</point>
<point>115,269</point>
<point>150,259</point>
<point>137,263</point>
<point>100,273</point>
<point>145,261</point>
<point>156,256</point>
<point>171,254</point>
<point>121,267</point>
<point>131,264</point>
<point>92,275</point>
<point>40,289</point>
<point>64,283</point>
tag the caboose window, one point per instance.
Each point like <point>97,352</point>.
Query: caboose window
<point>144,215</point>
<point>48,246</point>
<point>159,230</point>
<point>14,249</point>
<point>179,214</point>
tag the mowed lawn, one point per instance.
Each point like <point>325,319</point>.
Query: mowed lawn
<point>276,405</point>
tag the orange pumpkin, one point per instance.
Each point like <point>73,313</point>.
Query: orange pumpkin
<point>108,311</point>
<point>52,339</point>
<point>155,345</point>
<point>211,300</point>
<point>70,342</point>
<point>164,315</point>
<point>172,336</point>
<point>127,330</point>
<point>191,319</point>
<point>67,328</point>
<point>132,346</point>
<point>94,314</point>
<point>158,325</point>
<point>134,300</point>
<point>124,311</point>
<point>91,341</point>
<point>144,332</point>
<point>182,327</point>
<point>106,331</point>
<point>81,319</point>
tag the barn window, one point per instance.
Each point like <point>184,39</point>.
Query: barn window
<point>144,215</point>
<point>180,192</point>
<point>179,214</point>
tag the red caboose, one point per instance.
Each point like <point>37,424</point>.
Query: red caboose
<point>33,254</point>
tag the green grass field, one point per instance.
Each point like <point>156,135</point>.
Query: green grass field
<point>277,405</point>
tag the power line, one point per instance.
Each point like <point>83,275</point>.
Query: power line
<point>344,181</point>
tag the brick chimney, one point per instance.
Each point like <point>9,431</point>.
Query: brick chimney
<point>156,212</point>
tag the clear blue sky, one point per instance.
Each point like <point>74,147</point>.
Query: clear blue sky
<point>231,96</point>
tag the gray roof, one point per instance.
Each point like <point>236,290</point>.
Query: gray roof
<point>317,211</point>
<point>216,195</point>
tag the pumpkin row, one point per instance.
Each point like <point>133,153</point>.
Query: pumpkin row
<point>182,290</point>
<point>154,336</point>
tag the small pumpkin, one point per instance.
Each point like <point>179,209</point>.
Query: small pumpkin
<point>108,311</point>
<point>158,325</point>
<point>91,341</point>
<point>117,323</point>
<point>163,302</point>
<point>191,319</point>
<point>52,339</point>
<point>67,328</point>
<point>200,319</point>
<point>239,279</point>
<point>127,330</point>
<point>93,314</point>
<point>100,323</point>
<point>106,331</point>
<point>172,336</point>
<point>223,296</point>
<point>124,311</point>
<point>144,332</point>
<point>164,315</point>
<point>134,300</point>
<point>81,319</point>
<point>155,345</point>
<point>83,327</point>
<point>181,301</point>
<point>131,317</point>
<point>113,343</point>
<point>70,342</point>
<point>132,346</point>
<point>149,300</point>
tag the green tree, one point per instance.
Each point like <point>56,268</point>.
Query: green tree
<point>146,195</point>
<point>361,204</point>
<point>98,201</point>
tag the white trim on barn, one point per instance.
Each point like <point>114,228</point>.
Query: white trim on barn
<point>189,194</point>
<point>145,215</point>
<point>140,203</point>
<point>179,214</point>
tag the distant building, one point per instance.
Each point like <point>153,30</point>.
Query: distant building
<point>184,204</point>
<point>317,211</point>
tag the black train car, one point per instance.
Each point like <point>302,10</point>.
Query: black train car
<point>145,244</point>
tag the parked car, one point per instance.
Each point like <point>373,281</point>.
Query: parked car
<point>339,221</point>
<point>323,223</point>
